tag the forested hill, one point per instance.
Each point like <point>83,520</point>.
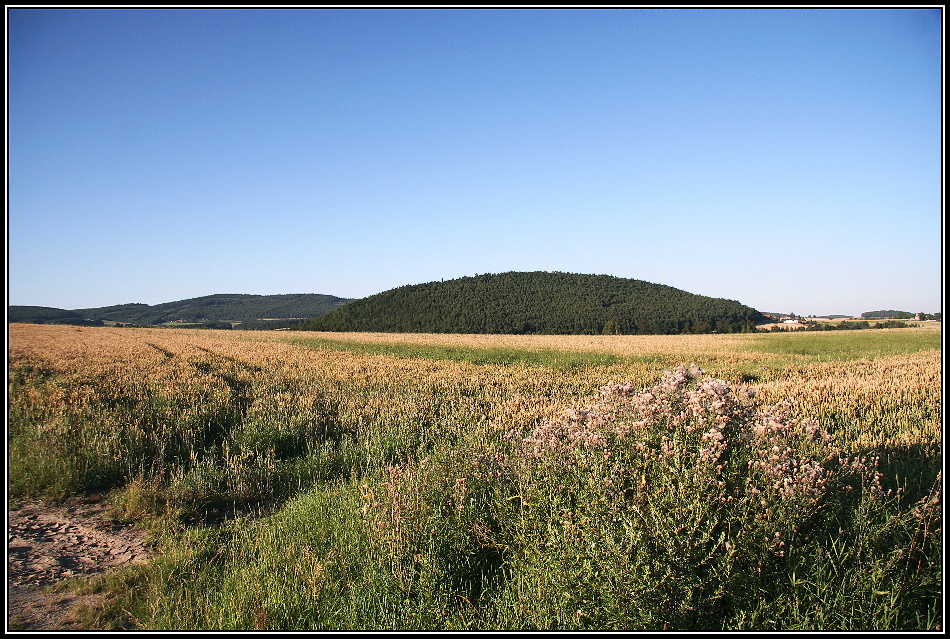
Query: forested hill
<point>207,309</point>
<point>41,314</point>
<point>538,302</point>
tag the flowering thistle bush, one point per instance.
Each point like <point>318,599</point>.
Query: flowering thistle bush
<point>687,494</point>
<point>666,507</point>
<point>697,428</point>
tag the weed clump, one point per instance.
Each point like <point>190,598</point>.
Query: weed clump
<point>682,506</point>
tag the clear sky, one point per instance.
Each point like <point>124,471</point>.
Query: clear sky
<point>787,159</point>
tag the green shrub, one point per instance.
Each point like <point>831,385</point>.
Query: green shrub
<point>680,507</point>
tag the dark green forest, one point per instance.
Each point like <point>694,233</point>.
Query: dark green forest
<point>886,315</point>
<point>539,303</point>
<point>46,315</point>
<point>899,315</point>
<point>211,310</point>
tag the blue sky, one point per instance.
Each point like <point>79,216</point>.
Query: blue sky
<point>787,159</point>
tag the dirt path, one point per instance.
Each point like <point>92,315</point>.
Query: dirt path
<point>47,544</point>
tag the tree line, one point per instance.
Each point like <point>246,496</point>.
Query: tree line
<point>900,315</point>
<point>842,326</point>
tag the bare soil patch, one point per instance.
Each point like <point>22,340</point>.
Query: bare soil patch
<point>49,544</point>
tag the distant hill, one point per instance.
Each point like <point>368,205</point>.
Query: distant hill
<point>869,315</point>
<point>538,302</point>
<point>278,310</point>
<point>43,315</point>
<point>887,315</point>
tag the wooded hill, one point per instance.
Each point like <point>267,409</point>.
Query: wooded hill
<point>210,309</point>
<point>539,303</point>
<point>42,315</point>
<point>900,315</point>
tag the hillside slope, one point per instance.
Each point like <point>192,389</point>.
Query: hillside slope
<point>208,309</point>
<point>42,315</point>
<point>538,302</point>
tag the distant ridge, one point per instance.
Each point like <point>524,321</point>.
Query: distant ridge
<point>539,302</point>
<point>42,315</point>
<point>212,310</point>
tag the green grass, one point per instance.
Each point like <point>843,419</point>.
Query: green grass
<point>550,358</point>
<point>847,345</point>
<point>484,534</point>
<point>787,350</point>
<point>817,346</point>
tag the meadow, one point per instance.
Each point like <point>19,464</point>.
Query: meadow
<point>369,481</point>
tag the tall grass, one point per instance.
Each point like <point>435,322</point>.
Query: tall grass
<point>848,345</point>
<point>427,485</point>
<point>547,357</point>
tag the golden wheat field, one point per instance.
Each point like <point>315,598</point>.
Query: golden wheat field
<point>887,393</point>
<point>485,481</point>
